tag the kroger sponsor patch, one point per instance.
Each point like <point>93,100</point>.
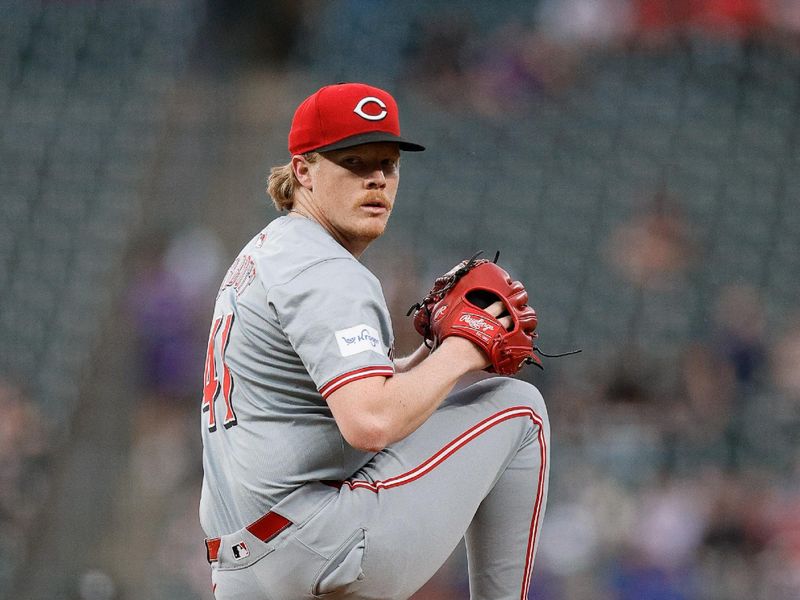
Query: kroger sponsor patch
<point>360,338</point>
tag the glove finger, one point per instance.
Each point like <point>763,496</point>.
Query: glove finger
<point>527,319</point>
<point>516,287</point>
<point>518,295</point>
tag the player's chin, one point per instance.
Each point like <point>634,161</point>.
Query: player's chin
<point>373,227</point>
<point>373,232</point>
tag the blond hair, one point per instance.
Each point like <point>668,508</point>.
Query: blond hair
<point>282,183</point>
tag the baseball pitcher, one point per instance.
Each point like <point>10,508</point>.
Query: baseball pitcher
<point>333,469</point>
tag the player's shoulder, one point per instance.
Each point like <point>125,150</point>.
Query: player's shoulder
<point>290,248</point>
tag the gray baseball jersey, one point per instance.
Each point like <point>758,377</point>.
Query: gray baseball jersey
<point>296,317</point>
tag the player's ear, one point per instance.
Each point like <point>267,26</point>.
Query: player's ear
<point>302,171</point>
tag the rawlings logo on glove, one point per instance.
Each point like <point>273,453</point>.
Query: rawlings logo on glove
<point>454,306</point>
<point>476,322</point>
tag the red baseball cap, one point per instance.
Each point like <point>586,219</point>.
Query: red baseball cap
<point>343,115</point>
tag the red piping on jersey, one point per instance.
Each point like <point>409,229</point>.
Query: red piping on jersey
<point>447,451</point>
<point>526,583</point>
<point>337,382</point>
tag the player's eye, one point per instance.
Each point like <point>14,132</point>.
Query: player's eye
<point>390,164</point>
<point>351,161</point>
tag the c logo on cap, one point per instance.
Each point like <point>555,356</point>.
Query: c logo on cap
<point>359,109</point>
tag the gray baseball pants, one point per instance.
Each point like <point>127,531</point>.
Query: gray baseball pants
<point>476,469</point>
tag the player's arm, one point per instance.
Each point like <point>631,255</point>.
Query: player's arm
<point>402,365</point>
<point>375,412</point>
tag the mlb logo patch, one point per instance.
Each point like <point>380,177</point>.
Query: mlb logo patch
<point>240,551</point>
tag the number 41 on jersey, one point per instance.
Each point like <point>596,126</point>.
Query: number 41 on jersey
<point>213,383</point>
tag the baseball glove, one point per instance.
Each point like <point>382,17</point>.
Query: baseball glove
<point>454,306</point>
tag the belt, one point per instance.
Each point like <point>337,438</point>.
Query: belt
<point>266,528</point>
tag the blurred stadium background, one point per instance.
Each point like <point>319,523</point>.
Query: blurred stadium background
<point>637,162</point>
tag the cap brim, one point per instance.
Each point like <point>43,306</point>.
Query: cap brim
<point>370,138</point>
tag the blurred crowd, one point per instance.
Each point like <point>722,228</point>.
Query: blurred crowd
<point>679,476</point>
<point>25,453</point>
<point>464,67</point>
<point>676,473</point>
<point>174,280</point>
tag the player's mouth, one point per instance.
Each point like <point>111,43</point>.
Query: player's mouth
<point>376,206</point>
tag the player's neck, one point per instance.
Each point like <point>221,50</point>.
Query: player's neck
<point>356,247</point>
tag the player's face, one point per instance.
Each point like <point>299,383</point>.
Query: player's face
<point>354,190</point>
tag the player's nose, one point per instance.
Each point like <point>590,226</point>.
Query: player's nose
<point>375,179</point>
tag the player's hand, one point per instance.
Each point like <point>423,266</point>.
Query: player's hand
<point>474,356</point>
<point>465,302</point>
<point>497,310</point>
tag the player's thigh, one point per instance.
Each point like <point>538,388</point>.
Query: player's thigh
<point>393,524</point>
<point>493,394</point>
<point>417,498</point>
<point>483,419</point>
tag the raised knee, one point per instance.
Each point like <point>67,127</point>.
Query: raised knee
<point>515,392</point>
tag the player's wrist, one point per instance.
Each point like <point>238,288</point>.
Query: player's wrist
<point>464,352</point>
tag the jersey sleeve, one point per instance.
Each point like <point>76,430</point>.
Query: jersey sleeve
<point>335,316</point>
